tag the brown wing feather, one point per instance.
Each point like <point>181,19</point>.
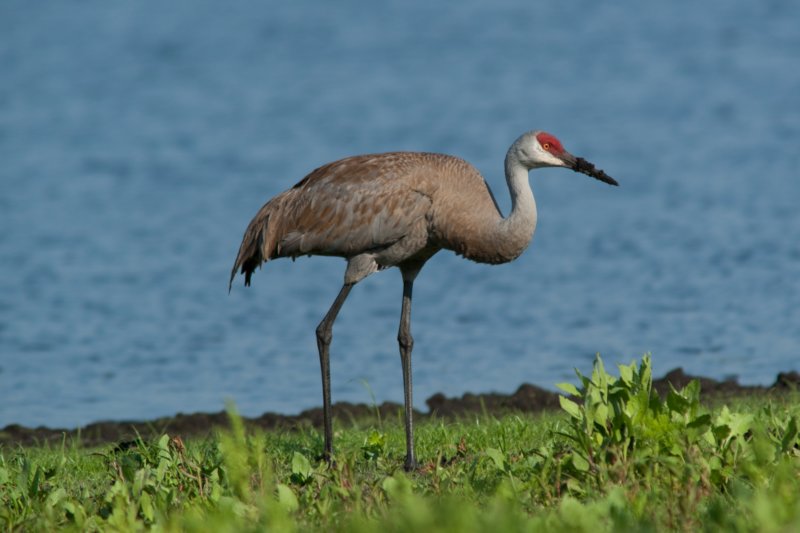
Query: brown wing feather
<point>259,239</point>
<point>344,208</point>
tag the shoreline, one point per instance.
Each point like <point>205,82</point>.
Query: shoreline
<point>526,399</point>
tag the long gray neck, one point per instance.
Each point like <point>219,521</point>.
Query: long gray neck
<point>515,232</point>
<point>476,228</point>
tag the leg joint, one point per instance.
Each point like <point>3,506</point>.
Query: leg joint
<point>324,332</point>
<point>406,340</point>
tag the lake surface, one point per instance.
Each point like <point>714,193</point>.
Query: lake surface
<point>138,139</point>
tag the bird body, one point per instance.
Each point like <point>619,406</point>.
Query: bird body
<point>380,210</point>
<point>399,209</point>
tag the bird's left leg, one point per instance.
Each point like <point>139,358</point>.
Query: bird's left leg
<point>324,337</point>
<point>406,342</point>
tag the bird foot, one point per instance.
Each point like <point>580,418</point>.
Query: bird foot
<point>328,458</point>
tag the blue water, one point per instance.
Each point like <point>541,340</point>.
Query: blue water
<point>137,140</point>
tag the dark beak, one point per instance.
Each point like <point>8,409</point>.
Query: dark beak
<point>579,164</point>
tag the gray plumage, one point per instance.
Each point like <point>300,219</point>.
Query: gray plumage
<point>399,209</point>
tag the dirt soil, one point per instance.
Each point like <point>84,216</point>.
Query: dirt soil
<point>527,399</point>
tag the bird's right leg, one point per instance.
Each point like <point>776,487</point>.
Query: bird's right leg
<point>324,336</point>
<point>406,342</point>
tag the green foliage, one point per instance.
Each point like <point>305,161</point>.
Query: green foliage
<point>622,434</point>
<point>619,457</point>
<point>374,445</point>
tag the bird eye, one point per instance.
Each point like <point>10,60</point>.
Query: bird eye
<point>546,146</point>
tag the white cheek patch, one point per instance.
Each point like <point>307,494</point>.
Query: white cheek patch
<point>553,159</point>
<point>546,158</point>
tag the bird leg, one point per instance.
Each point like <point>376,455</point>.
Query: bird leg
<point>406,342</point>
<point>324,336</point>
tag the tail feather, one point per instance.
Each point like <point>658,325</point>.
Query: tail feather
<point>249,257</point>
<point>258,244</point>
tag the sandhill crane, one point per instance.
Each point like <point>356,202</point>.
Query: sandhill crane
<point>399,209</point>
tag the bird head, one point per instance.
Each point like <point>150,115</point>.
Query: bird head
<point>537,149</point>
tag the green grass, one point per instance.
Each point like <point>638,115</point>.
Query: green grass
<point>617,458</point>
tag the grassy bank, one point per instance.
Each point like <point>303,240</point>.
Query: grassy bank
<point>617,458</point>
